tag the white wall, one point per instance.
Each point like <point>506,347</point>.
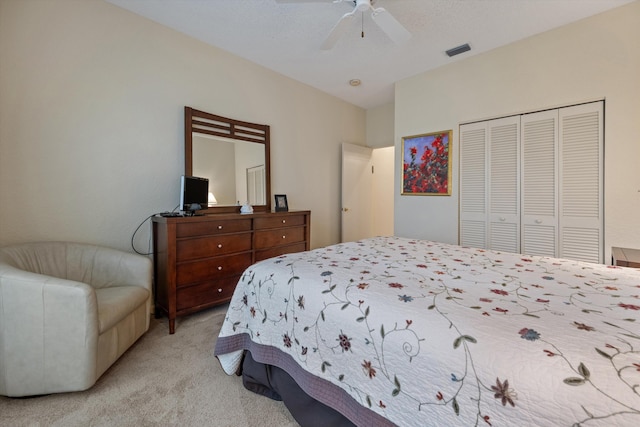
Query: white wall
<point>91,123</point>
<point>596,58</point>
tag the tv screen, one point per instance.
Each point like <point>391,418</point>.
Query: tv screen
<point>194,194</point>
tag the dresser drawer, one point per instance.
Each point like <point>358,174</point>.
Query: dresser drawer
<point>279,221</point>
<point>209,246</point>
<point>280,250</point>
<point>216,226</point>
<point>282,236</point>
<point>212,268</point>
<point>209,293</point>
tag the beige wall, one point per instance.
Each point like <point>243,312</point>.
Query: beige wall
<point>91,123</point>
<point>380,126</point>
<point>596,58</point>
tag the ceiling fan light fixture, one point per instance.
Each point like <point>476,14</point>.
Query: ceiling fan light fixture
<point>362,5</point>
<point>355,82</point>
<point>458,50</point>
<point>387,23</point>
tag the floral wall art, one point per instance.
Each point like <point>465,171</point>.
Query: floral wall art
<point>426,169</point>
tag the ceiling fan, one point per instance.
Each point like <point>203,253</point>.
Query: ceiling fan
<point>380,16</point>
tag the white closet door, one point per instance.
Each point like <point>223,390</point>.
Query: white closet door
<point>473,185</point>
<point>540,183</point>
<point>504,184</point>
<point>581,182</point>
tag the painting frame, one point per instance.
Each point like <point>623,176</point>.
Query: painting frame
<point>281,204</point>
<point>426,164</point>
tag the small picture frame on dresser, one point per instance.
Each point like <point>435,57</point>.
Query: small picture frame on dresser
<point>281,203</point>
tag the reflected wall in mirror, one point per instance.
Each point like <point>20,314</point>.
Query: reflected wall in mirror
<point>235,169</point>
<point>233,155</point>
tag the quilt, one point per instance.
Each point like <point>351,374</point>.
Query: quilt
<point>396,331</point>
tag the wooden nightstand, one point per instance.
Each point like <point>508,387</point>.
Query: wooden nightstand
<point>625,257</point>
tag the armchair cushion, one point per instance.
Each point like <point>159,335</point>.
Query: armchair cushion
<point>116,302</point>
<point>68,311</point>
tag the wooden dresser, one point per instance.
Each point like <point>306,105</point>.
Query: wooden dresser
<point>625,257</point>
<point>198,260</point>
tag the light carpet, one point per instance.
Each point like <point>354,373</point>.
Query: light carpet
<point>162,380</point>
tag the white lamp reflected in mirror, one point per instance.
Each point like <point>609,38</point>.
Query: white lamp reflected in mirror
<point>212,199</point>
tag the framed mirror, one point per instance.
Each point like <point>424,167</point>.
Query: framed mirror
<point>233,155</point>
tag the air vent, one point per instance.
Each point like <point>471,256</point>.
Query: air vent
<point>459,49</point>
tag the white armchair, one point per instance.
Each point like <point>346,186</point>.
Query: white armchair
<point>68,311</point>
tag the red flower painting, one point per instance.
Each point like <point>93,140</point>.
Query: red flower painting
<point>426,167</point>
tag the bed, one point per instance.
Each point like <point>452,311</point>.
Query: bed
<point>396,331</point>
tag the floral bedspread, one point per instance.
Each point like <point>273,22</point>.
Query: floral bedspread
<point>431,334</point>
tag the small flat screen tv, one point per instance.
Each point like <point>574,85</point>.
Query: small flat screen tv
<point>194,194</point>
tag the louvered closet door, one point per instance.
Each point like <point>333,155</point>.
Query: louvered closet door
<point>581,179</point>
<point>539,133</point>
<point>473,183</point>
<point>504,188</point>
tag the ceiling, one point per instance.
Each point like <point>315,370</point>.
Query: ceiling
<point>286,36</point>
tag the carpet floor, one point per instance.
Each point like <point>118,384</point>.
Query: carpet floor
<point>162,380</point>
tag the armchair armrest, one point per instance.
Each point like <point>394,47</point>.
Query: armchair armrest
<point>48,333</point>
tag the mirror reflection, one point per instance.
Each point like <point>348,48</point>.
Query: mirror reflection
<point>233,155</point>
<point>235,169</point>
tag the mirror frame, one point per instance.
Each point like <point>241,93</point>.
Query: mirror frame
<point>210,124</point>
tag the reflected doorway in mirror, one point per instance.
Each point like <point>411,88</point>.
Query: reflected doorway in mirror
<point>281,203</point>
<point>255,185</point>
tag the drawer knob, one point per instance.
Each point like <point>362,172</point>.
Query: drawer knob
<point>219,290</point>
<point>219,227</point>
<point>284,237</point>
<point>219,268</point>
<point>284,221</point>
<point>219,245</point>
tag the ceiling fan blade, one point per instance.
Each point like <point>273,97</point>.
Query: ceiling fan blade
<point>390,25</point>
<point>337,31</point>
